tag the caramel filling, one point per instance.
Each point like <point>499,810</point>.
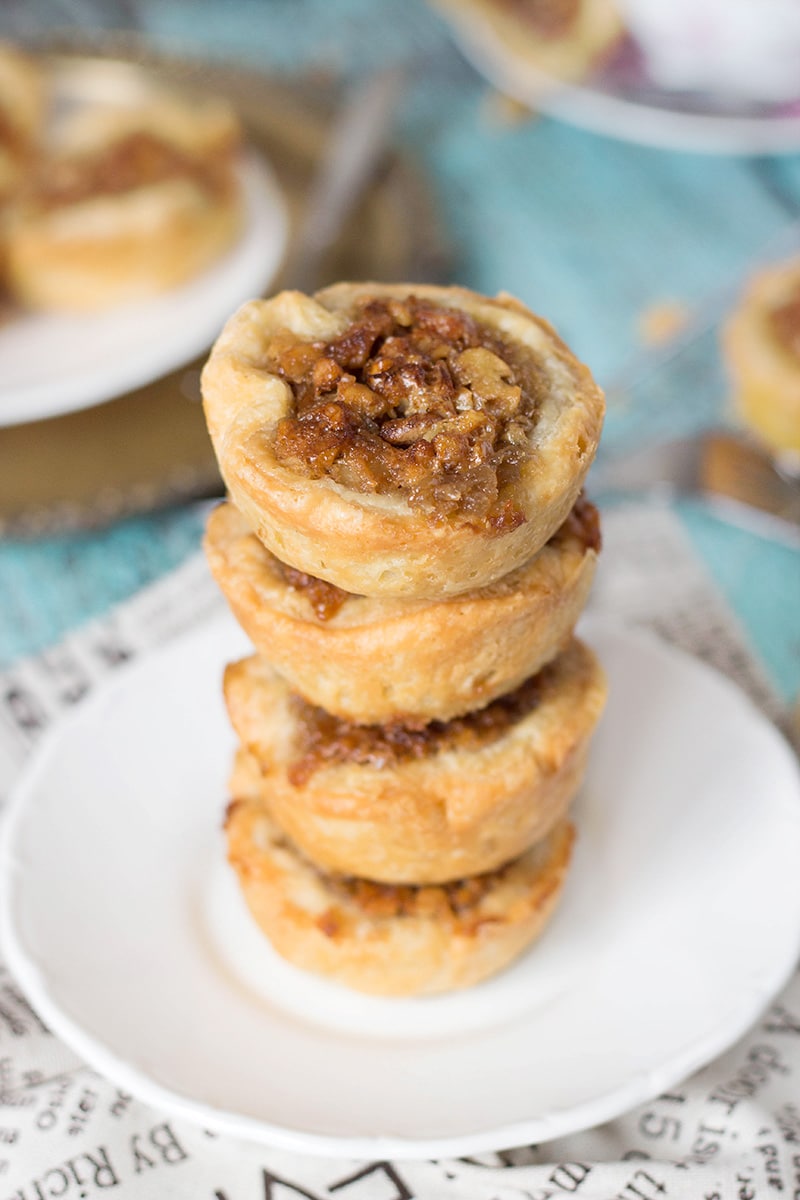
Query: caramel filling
<point>324,739</point>
<point>417,399</point>
<point>784,322</point>
<point>137,160</point>
<point>458,899</point>
<point>325,598</point>
<point>583,523</point>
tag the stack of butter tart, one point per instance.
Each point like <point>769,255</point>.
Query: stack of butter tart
<point>407,546</point>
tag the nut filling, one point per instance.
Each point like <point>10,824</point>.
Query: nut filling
<point>135,161</point>
<point>325,598</point>
<point>324,739</point>
<point>784,322</point>
<point>413,398</point>
<point>460,900</point>
<point>583,523</point>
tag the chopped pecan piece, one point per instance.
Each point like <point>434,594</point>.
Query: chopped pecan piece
<point>458,900</point>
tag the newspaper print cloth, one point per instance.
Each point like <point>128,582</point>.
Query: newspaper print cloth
<point>731,1132</point>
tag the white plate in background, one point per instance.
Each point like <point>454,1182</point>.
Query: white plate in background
<point>619,104</point>
<point>55,363</point>
<point>679,922</point>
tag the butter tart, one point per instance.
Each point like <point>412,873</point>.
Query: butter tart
<point>565,39</point>
<point>129,203</point>
<point>415,803</point>
<point>400,441</point>
<point>761,343</point>
<point>371,660</point>
<point>22,112</point>
<point>393,941</point>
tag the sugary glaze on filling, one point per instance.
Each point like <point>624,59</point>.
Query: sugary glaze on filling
<point>413,398</point>
<point>550,18</point>
<point>784,322</point>
<point>326,600</point>
<point>138,159</point>
<point>582,523</point>
<point>323,739</point>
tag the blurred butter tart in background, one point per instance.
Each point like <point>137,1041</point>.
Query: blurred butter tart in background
<point>22,111</point>
<point>73,382</point>
<point>565,39</point>
<point>761,344</point>
<point>126,203</point>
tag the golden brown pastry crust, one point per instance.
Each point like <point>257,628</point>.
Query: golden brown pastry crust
<point>765,372</point>
<point>320,925</point>
<point>440,817</point>
<point>378,659</point>
<point>22,113</point>
<point>22,110</point>
<point>376,544</point>
<point>105,249</point>
<point>567,54</point>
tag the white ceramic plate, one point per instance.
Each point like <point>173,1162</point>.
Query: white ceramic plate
<point>634,109</point>
<point>53,363</point>
<point>680,920</point>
